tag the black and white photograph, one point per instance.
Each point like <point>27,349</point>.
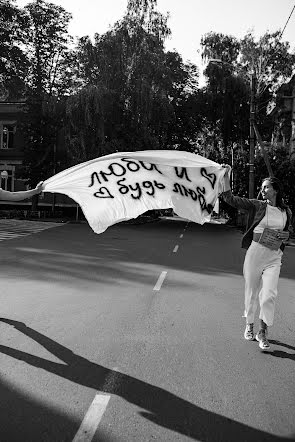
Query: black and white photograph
<point>147,221</point>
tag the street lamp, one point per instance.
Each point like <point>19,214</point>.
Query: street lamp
<point>54,172</point>
<point>252,134</point>
<point>233,146</point>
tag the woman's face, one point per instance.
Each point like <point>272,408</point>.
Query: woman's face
<point>267,191</point>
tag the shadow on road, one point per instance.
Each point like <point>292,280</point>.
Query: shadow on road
<point>161,407</point>
<point>280,353</point>
<point>81,255</point>
<point>24,419</point>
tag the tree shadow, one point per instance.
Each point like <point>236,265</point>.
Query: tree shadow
<point>77,256</point>
<point>160,406</point>
<point>81,255</point>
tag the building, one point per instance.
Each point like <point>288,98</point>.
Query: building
<point>11,159</point>
<point>283,114</point>
<point>11,145</point>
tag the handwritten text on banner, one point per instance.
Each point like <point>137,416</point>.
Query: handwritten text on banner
<point>124,185</point>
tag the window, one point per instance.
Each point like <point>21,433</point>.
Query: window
<point>7,179</point>
<point>7,131</point>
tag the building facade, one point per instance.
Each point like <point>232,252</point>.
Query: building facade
<point>11,145</point>
<point>11,159</point>
<point>284,117</point>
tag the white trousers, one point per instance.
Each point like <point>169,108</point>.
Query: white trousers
<point>261,272</point>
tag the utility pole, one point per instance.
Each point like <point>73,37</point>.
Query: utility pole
<point>252,137</point>
<point>54,172</point>
<point>264,152</point>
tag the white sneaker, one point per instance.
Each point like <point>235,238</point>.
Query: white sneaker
<point>249,332</point>
<point>262,339</point>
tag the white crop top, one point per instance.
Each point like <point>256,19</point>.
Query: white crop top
<point>274,218</point>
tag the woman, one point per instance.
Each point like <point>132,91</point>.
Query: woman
<point>262,264</point>
<point>5,195</point>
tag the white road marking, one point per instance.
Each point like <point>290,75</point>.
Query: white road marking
<point>181,236</point>
<point>92,418</point>
<point>175,249</point>
<point>10,228</point>
<point>160,281</point>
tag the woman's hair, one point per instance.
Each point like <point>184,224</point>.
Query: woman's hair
<point>277,185</point>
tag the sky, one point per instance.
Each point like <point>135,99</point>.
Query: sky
<point>189,19</point>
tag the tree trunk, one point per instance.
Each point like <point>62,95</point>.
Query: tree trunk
<point>35,200</point>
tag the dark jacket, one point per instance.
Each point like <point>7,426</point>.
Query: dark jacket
<point>256,210</point>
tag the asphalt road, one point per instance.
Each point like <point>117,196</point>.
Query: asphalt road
<point>126,337</point>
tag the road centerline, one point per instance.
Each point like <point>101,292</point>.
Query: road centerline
<point>160,281</point>
<point>92,418</point>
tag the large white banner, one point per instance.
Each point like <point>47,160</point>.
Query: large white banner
<point>124,185</point>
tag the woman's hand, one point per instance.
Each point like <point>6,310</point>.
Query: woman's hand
<point>39,187</point>
<point>283,235</point>
<point>227,167</point>
<point>226,186</point>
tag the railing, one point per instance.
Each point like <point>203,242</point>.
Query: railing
<point>29,214</point>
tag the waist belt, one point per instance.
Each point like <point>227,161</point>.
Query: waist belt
<point>257,236</point>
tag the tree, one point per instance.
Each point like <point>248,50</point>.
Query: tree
<point>85,124</point>
<point>47,48</point>
<point>147,94</point>
<point>127,64</point>
<point>217,46</point>
<point>284,169</point>
<point>47,82</point>
<point>226,94</point>
<point>13,60</point>
<point>267,61</point>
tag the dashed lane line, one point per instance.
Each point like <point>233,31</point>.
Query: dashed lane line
<point>95,412</point>
<point>92,418</point>
<point>160,281</point>
<point>99,404</point>
<point>181,236</point>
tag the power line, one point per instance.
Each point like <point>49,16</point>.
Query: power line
<point>276,47</point>
<point>287,21</point>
